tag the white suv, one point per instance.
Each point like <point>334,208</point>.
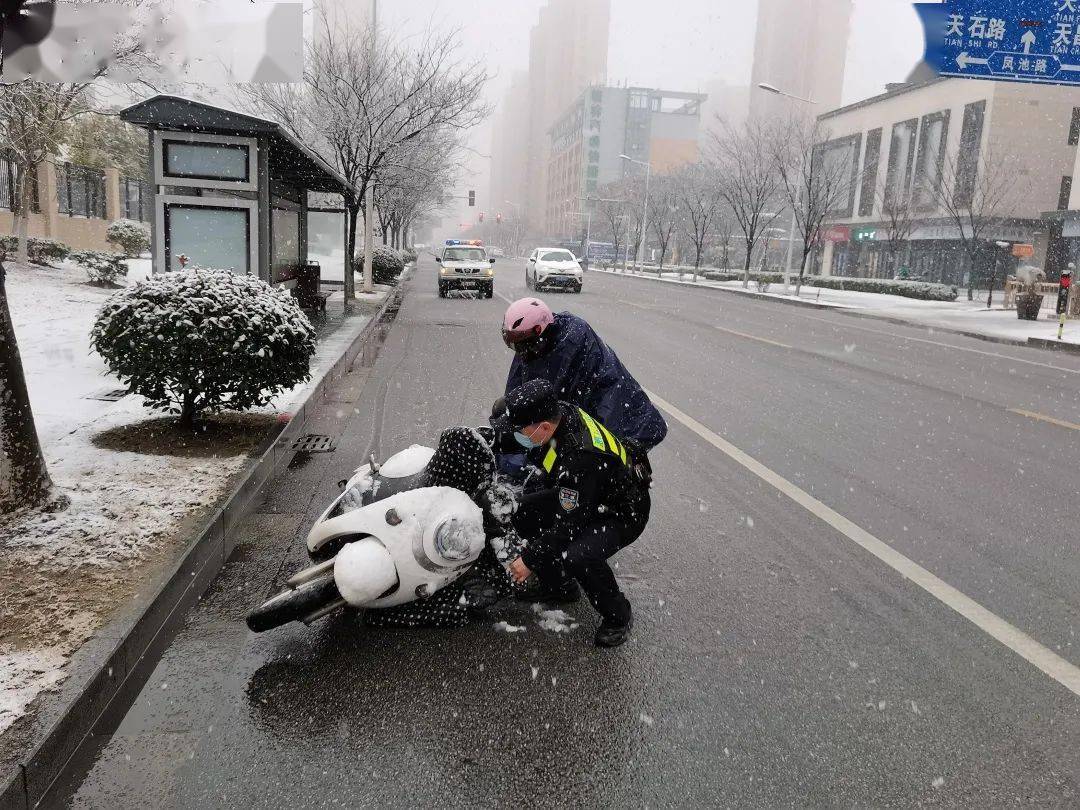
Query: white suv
<point>465,265</point>
<point>555,268</point>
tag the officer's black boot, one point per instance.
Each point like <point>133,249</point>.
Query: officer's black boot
<point>615,630</point>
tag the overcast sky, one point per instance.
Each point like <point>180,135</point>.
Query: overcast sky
<point>672,44</point>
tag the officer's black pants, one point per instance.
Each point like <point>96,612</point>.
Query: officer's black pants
<point>584,557</point>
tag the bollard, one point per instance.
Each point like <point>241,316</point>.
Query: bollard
<point>1063,300</point>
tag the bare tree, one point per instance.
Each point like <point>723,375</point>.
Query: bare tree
<point>611,212</point>
<point>898,214</point>
<point>362,104</point>
<point>33,120</point>
<point>816,180</point>
<point>699,193</point>
<point>973,192</point>
<point>750,184</point>
<point>663,214</point>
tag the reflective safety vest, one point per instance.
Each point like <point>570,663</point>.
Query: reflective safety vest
<point>600,437</point>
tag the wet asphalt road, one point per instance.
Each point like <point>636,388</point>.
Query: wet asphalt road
<point>774,662</point>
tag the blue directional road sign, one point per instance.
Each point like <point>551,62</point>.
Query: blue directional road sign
<point>1034,41</point>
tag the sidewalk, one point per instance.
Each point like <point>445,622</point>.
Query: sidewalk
<point>961,316</point>
<point>63,575</point>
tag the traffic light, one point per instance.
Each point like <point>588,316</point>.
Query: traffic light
<point>481,216</point>
<point>498,219</point>
<point>472,199</point>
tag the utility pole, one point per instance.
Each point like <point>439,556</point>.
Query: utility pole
<point>369,203</point>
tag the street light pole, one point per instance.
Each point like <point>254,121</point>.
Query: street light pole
<point>791,234</point>
<point>645,207</point>
<point>369,203</point>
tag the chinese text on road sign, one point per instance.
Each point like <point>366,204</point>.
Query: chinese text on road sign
<point>1008,40</point>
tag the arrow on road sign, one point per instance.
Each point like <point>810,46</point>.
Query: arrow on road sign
<point>1028,39</point>
<point>963,60</point>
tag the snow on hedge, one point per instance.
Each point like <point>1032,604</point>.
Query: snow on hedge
<point>205,340</point>
<point>387,264</point>
<point>131,236</point>
<point>922,290</point>
<point>38,251</point>
<point>102,268</point>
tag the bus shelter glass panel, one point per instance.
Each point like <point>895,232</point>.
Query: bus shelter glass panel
<point>209,237</point>
<point>286,253</point>
<point>207,161</point>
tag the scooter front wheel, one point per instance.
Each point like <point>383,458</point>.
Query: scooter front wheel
<point>305,603</point>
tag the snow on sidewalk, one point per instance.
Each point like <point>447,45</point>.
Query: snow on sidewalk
<point>63,575</point>
<point>960,315</point>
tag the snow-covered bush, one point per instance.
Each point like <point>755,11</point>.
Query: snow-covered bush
<point>922,290</point>
<point>386,263</point>
<point>102,268</point>
<point>204,340</point>
<point>130,236</point>
<point>38,251</point>
<point>736,275</point>
<point>408,254</point>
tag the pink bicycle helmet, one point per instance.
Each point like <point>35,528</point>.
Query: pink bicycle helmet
<point>525,320</point>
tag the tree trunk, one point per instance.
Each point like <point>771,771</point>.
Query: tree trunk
<point>188,411</point>
<point>24,478</point>
<point>970,258</point>
<point>351,219</point>
<point>22,216</point>
<point>746,264</point>
<point>802,272</point>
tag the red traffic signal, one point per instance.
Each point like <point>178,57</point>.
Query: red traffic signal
<point>481,216</point>
<point>498,219</point>
<point>1066,280</point>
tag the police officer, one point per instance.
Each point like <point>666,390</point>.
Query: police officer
<point>589,504</point>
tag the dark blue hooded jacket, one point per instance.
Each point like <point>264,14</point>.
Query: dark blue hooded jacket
<point>584,371</point>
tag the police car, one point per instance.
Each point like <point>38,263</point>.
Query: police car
<point>464,265</point>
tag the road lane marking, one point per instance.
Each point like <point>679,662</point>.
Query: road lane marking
<point>939,343</point>
<point>667,310</point>
<point>1043,418</point>
<point>752,337</point>
<point>994,626</point>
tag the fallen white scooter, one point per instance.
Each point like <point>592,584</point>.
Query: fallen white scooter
<point>388,539</point>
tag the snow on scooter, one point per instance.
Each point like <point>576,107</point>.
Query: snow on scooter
<point>399,532</point>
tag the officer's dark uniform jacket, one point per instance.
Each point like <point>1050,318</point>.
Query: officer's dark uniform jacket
<point>584,370</point>
<point>587,478</point>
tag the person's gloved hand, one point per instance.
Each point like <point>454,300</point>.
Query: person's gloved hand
<point>499,502</point>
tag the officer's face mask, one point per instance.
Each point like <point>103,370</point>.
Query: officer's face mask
<point>526,440</point>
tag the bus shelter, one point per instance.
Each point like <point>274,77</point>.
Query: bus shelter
<point>230,191</point>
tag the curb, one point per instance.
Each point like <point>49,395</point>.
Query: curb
<point>134,641</point>
<point>1054,345</point>
<point>1030,343</point>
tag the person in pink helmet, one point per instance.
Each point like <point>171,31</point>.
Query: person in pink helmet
<point>565,350</point>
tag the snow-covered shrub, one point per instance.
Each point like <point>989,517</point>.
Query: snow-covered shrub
<point>204,340</point>
<point>922,290</point>
<point>130,236</point>
<point>38,251</point>
<point>408,254</point>
<point>736,275</point>
<point>386,264</point>
<point>102,268</point>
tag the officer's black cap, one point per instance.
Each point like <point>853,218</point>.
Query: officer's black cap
<point>529,403</point>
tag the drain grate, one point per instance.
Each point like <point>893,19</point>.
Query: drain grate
<point>314,443</point>
<point>112,395</point>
